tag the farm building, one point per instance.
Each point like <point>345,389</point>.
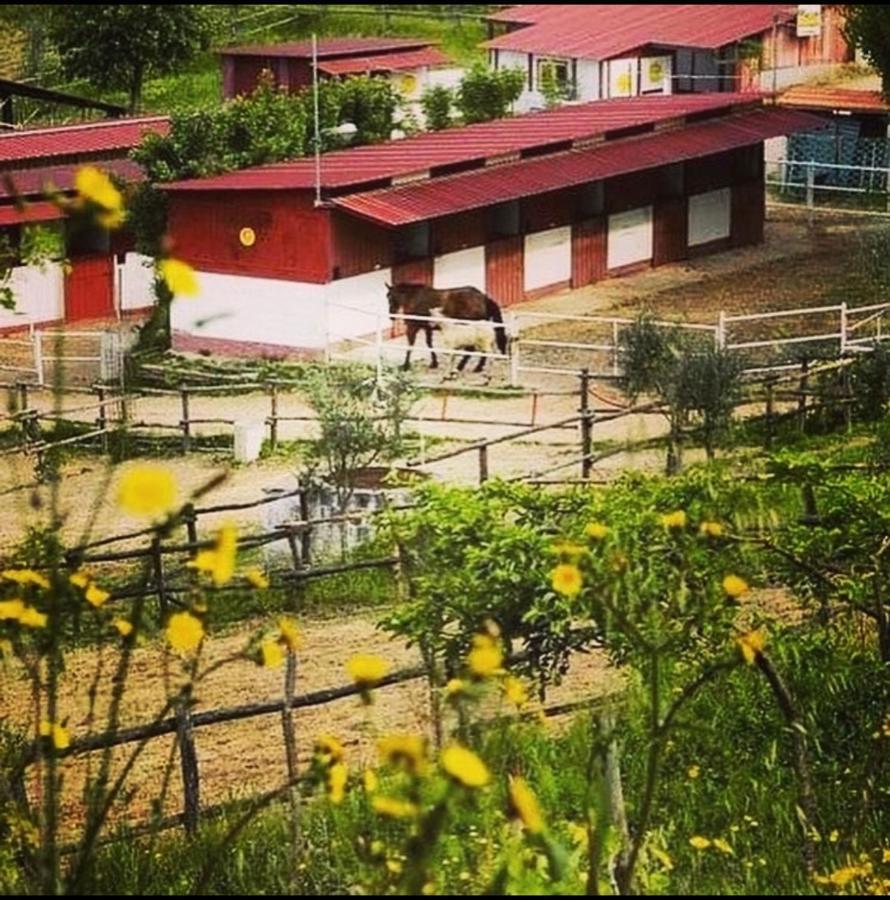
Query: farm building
<point>602,51</point>
<point>515,207</point>
<point>103,278</point>
<point>412,64</point>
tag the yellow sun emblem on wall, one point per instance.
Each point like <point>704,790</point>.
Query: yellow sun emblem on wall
<point>247,236</point>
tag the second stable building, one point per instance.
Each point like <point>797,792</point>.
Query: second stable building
<point>516,207</point>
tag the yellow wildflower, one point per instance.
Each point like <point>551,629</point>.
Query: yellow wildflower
<point>25,577</point>
<point>366,669</point>
<point>95,596</point>
<point>843,876</point>
<point>464,767</point>
<point>337,776</point>
<point>834,837</point>
<point>257,579</point>
<point>328,750</point>
<point>219,562</point>
<point>524,805</point>
<point>885,855</point>
<point>180,277</point>
<point>32,618</point>
<point>734,586</point>
<point>486,657</point>
<point>408,750</point>
<point>393,808</point>
<point>596,531</point>
<point>455,687</point>
<point>184,632</point>
<point>751,645</point>
<point>124,627</point>
<point>693,772</point>
<point>147,490</point>
<point>80,579</point>
<point>578,833</point>
<point>665,860</point>
<point>566,579</point>
<point>699,842</point>
<point>272,654</point>
<point>370,781</point>
<point>675,519</point>
<point>288,633</point>
<point>59,736</point>
<point>515,691</point>
<point>711,529</point>
<point>723,846</point>
<point>11,609</point>
<point>94,185</point>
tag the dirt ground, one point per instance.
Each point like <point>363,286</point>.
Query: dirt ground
<point>248,756</point>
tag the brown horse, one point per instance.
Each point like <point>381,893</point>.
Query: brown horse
<point>450,303</point>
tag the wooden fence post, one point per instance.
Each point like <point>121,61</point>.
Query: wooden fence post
<point>586,425</point>
<point>273,418</point>
<point>23,396</point>
<point>802,398</point>
<point>102,420</point>
<point>290,753</point>
<point>191,525</point>
<point>185,425</point>
<point>188,761</point>
<point>306,534</point>
<point>483,464</point>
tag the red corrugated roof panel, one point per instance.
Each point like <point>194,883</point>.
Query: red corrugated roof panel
<point>384,62</point>
<point>115,135</point>
<point>327,47</point>
<point>828,97</point>
<point>446,196</point>
<point>30,182</point>
<point>33,212</point>
<point>604,31</point>
<point>487,140</point>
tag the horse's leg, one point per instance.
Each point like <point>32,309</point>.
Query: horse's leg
<point>434,363</point>
<point>480,365</point>
<point>411,331</point>
<point>462,364</point>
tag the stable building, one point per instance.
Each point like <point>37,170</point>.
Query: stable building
<point>291,259</point>
<point>602,51</point>
<point>101,278</point>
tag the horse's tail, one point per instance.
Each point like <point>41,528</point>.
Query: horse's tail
<point>493,313</point>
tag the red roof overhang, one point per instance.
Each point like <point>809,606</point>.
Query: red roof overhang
<point>420,201</point>
<point>33,212</point>
<point>384,62</point>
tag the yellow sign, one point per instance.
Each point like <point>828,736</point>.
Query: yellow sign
<point>407,83</point>
<point>247,236</point>
<point>656,72</point>
<point>623,83</point>
<point>809,20</point>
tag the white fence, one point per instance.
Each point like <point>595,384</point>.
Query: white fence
<point>815,184</point>
<point>553,344</point>
<point>86,356</point>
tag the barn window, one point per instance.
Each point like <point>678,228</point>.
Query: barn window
<point>505,219</point>
<point>555,73</point>
<point>590,199</point>
<point>413,241</point>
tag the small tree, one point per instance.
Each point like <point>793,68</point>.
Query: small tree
<point>486,94</point>
<point>118,46</point>
<point>437,107</point>
<point>360,420</point>
<point>686,376</point>
<point>552,89</point>
<point>868,27</point>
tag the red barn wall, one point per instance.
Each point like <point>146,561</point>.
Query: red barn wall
<point>358,246</point>
<point>588,251</point>
<point>292,237</point>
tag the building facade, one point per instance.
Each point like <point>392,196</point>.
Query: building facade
<point>516,207</point>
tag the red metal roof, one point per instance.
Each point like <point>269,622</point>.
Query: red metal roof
<point>115,135</point>
<point>484,141</point>
<point>445,196</point>
<point>828,97</point>
<point>30,182</point>
<point>33,212</point>
<point>604,31</point>
<point>327,47</point>
<point>384,62</point>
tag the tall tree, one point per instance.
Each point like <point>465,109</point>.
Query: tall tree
<point>868,27</point>
<point>118,46</point>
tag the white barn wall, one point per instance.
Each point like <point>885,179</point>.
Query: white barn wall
<point>548,257</point>
<point>135,282</point>
<point>356,305</point>
<point>39,294</point>
<point>630,237</point>
<point>588,79</point>
<point>239,308</point>
<point>464,268</point>
<point>710,217</point>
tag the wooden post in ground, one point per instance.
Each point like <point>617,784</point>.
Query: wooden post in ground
<point>23,396</point>
<point>188,761</point>
<point>483,464</point>
<point>185,424</point>
<point>290,754</point>
<point>586,425</point>
<point>306,534</point>
<point>102,421</point>
<point>802,398</point>
<point>191,524</point>
<point>273,418</point>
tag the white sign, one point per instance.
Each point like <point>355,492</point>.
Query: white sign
<point>809,20</point>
